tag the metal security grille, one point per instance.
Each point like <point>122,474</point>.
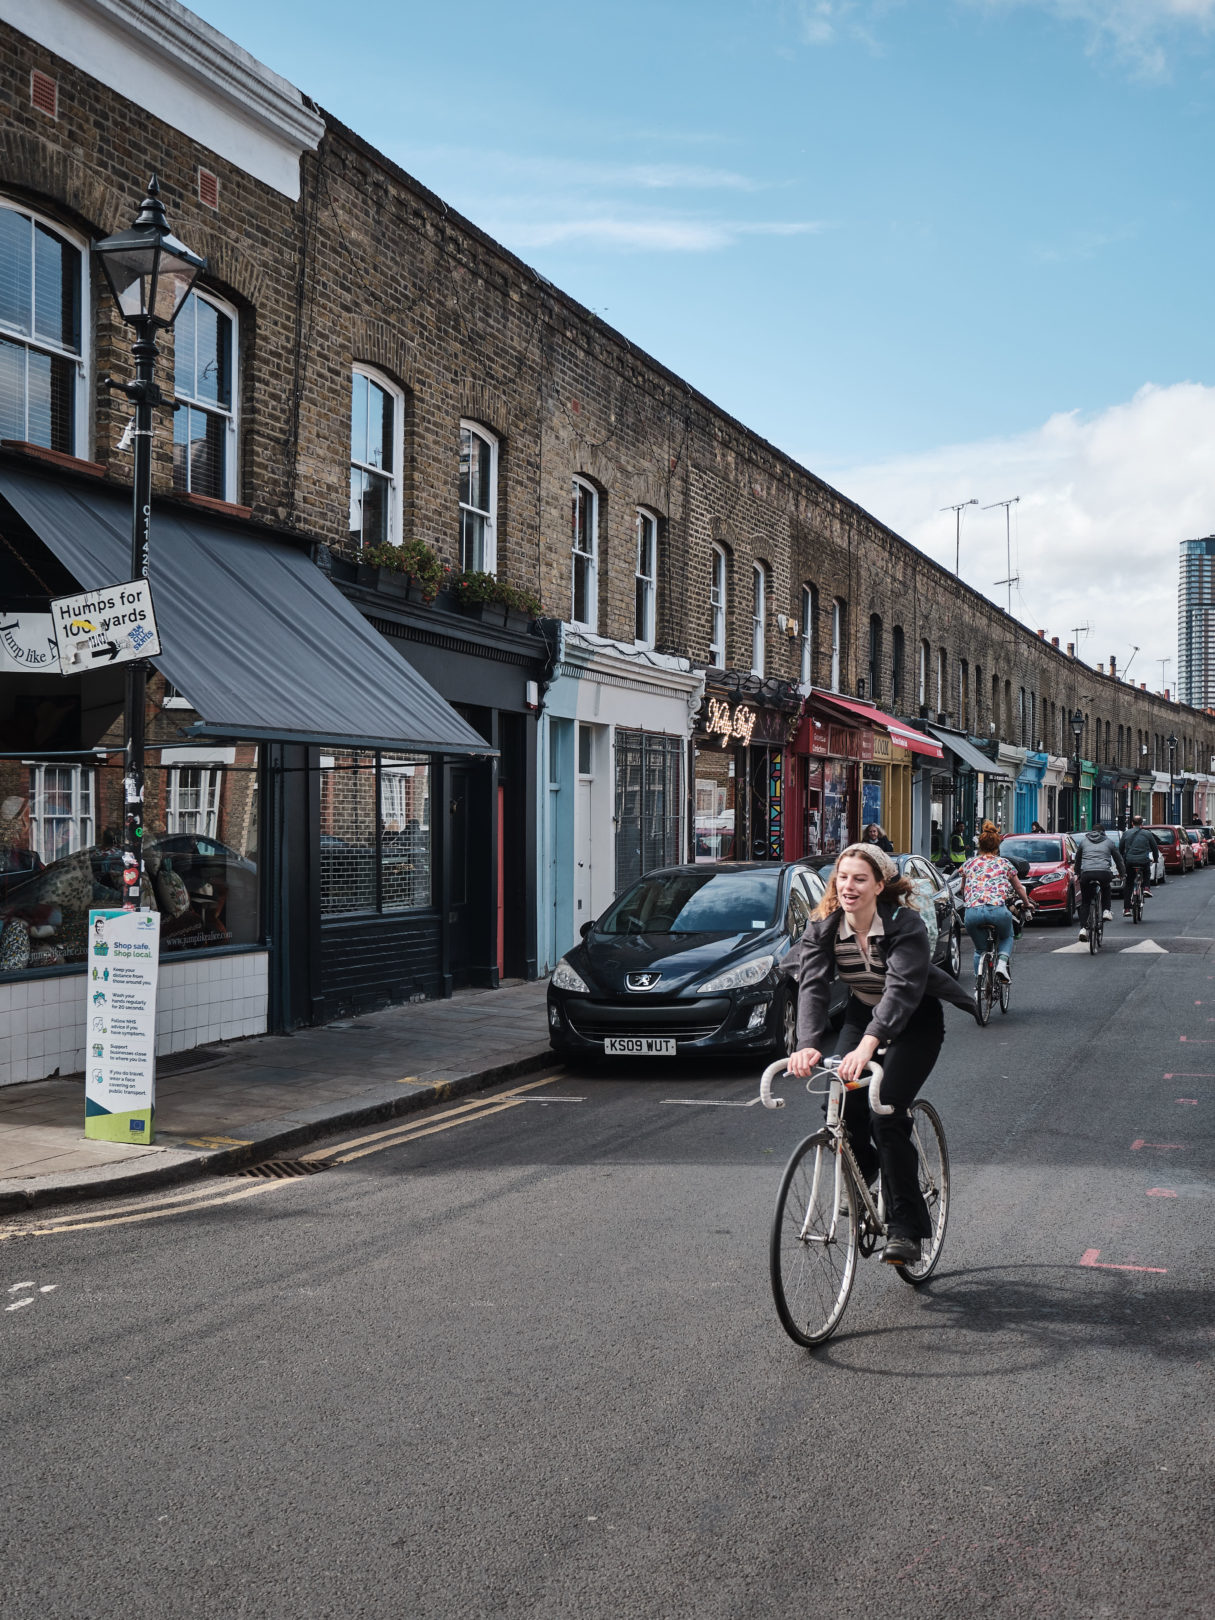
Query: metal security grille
<point>649,776</point>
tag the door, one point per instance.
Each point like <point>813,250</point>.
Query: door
<point>584,783</point>
<point>459,906</point>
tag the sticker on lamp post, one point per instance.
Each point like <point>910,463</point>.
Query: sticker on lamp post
<point>120,1025</point>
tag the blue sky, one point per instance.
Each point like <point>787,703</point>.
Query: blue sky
<point>913,242</point>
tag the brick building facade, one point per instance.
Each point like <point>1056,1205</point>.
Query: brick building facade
<point>661,538</point>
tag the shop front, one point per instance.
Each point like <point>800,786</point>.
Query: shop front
<point>891,756</point>
<point>1000,794</point>
<point>829,797</point>
<point>973,773</point>
<point>744,777</point>
<point>1053,797</point>
<point>614,737</point>
<point>1027,807</point>
<point>1162,799</point>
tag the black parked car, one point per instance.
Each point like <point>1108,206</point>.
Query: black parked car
<point>937,903</point>
<point>687,960</point>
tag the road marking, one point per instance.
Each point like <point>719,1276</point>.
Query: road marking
<point>27,1299</point>
<point>17,1287</point>
<point>148,1215</point>
<point>1160,1192</point>
<point>200,1189</point>
<point>1192,1101</point>
<point>544,1100</point>
<point>706,1102</point>
<point>1140,1143</point>
<point>1147,947</point>
<point>431,1130</point>
<point>1089,1258</point>
<point>407,1127</point>
<point>1188,1040</point>
<point>1188,1074</point>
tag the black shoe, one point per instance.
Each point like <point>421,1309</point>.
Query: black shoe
<point>901,1251</point>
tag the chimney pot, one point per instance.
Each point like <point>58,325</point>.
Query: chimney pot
<point>1143,686</point>
<point>1042,634</point>
<point>1054,641</point>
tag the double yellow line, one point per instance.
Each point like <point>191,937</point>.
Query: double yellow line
<point>207,1195</point>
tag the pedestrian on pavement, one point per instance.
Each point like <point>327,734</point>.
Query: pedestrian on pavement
<point>874,834</point>
<point>867,932</point>
<point>1097,858</point>
<point>1037,827</point>
<point>1140,850</point>
<point>957,845</point>
<point>988,881</point>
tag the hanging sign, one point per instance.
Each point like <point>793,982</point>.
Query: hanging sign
<point>120,1025</point>
<point>27,644</point>
<point>112,626</point>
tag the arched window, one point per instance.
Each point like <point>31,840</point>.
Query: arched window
<point>759,607</point>
<point>809,621</point>
<point>646,578</point>
<point>43,398</point>
<point>897,660</point>
<point>837,642</point>
<point>717,608</point>
<point>876,652</point>
<point>205,383</point>
<point>584,553</point>
<point>925,657</point>
<point>478,498</point>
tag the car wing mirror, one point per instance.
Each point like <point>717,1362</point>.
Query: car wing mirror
<point>586,928</point>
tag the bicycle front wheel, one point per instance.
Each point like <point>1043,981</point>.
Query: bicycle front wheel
<point>814,1244</point>
<point>928,1134</point>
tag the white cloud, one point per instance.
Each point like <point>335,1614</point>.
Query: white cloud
<point>1139,31</point>
<point>657,235</point>
<point>573,173</point>
<point>1105,502</point>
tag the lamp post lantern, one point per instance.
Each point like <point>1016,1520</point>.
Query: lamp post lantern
<point>1077,723</point>
<point>150,274</point>
<point>1173,811</point>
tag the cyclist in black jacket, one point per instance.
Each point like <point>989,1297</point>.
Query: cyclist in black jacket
<point>1140,849</point>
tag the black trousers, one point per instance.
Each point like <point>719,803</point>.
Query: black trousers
<point>1096,880</point>
<point>883,1141</point>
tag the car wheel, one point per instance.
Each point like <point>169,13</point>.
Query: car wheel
<point>788,1023</point>
<point>1068,918</point>
<point>953,962</point>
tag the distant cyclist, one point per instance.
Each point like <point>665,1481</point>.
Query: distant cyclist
<point>1140,849</point>
<point>1097,859</point>
<point>988,879</point>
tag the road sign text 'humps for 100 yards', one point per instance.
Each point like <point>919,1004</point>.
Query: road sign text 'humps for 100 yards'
<point>111,626</point>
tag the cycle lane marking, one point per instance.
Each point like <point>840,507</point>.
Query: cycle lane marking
<point>1140,1143</point>
<point>1090,1258</point>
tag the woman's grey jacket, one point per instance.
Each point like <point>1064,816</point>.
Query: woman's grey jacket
<point>905,958</point>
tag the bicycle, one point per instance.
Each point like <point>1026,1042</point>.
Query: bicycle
<point>826,1216</point>
<point>1095,924</point>
<point>1137,896</point>
<point>989,985</point>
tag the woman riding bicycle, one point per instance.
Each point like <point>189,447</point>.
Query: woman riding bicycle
<point>867,932</point>
<point>987,882</point>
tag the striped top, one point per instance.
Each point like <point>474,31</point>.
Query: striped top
<point>853,965</point>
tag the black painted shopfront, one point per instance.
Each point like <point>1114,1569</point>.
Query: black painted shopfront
<point>741,762</point>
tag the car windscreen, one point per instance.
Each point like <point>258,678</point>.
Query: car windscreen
<point>1164,835</point>
<point>695,903</point>
<point>1038,851</point>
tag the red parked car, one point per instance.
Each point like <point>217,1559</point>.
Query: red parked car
<point>1208,838</point>
<point>1176,848</point>
<point>1051,884</point>
<point>1198,844</point>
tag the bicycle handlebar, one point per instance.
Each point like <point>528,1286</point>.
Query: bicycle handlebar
<point>831,1065</point>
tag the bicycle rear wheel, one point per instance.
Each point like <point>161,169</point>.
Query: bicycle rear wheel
<point>814,1245</point>
<point>983,989</point>
<point>1094,926</point>
<point>928,1134</point>
<point>1137,904</point>
<point>1005,991</point>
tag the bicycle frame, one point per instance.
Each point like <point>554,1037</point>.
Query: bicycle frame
<point>835,1126</point>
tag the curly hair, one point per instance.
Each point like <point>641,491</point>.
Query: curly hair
<point>989,839</point>
<point>896,888</point>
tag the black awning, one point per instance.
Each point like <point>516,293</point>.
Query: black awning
<point>254,634</point>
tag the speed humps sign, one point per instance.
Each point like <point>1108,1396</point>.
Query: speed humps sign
<point>96,628</point>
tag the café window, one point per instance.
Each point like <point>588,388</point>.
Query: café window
<point>478,499</point>
<point>649,774</point>
<point>375,832</point>
<point>204,382</point>
<point>63,853</point>
<point>43,398</point>
<point>376,417</point>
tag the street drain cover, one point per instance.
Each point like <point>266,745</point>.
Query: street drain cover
<point>282,1169</point>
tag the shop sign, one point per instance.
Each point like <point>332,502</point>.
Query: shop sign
<point>120,1021</point>
<point>881,746</point>
<point>114,625</point>
<point>27,644</point>
<point>731,725</point>
<point>818,735</point>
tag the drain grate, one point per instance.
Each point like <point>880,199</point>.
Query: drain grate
<point>281,1169</point>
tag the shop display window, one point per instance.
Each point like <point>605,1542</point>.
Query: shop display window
<point>376,846</point>
<point>61,852</point>
<point>715,805</point>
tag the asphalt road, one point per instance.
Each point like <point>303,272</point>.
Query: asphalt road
<point>527,1364</point>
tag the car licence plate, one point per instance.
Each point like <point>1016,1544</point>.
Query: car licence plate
<point>639,1046</point>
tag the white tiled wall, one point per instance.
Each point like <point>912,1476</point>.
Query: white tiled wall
<point>42,1021</point>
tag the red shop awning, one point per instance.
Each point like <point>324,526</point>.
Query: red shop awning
<point>906,736</point>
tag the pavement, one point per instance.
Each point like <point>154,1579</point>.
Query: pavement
<point>221,1106</point>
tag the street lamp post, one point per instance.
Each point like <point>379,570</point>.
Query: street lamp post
<point>1173,812</point>
<point>150,274</point>
<point>1077,732</point>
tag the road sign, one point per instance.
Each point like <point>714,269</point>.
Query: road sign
<point>95,629</point>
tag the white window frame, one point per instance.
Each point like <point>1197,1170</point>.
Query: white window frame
<point>490,440</point>
<point>231,416</point>
<point>646,581</point>
<point>923,681</point>
<point>759,611</point>
<point>717,607</point>
<point>942,679</point>
<point>81,817</point>
<point>395,394</point>
<point>28,341</point>
<point>806,660</point>
<point>205,816</point>
<point>580,488</point>
<point>837,641</point>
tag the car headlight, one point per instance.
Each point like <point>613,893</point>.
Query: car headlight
<point>564,978</point>
<point>739,978</point>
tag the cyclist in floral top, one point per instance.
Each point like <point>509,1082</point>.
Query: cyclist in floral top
<point>987,881</point>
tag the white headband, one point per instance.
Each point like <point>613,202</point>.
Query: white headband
<point>871,852</point>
